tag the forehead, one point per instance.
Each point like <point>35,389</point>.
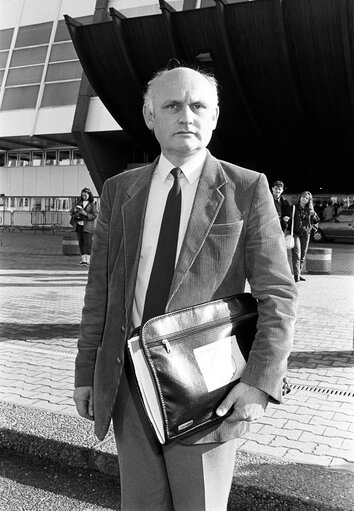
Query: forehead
<point>183,85</point>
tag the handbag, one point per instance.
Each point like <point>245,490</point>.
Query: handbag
<point>289,238</point>
<point>186,362</point>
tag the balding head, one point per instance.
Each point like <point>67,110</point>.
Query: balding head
<point>169,74</point>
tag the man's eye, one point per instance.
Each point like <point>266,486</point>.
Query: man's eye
<point>173,106</point>
<point>198,106</point>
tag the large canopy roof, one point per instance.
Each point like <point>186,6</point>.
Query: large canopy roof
<point>286,73</point>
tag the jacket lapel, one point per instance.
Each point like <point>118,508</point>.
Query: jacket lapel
<point>133,213</point>
<point>207,203</point>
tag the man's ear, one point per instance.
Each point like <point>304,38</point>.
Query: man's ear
<point>148,118</point>
<point>216,117</point>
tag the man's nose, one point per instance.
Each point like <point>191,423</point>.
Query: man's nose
<point>186,115</point>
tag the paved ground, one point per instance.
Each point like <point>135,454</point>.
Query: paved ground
<point>40,305</point>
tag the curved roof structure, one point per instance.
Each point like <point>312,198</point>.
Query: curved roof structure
<point>286,75</point>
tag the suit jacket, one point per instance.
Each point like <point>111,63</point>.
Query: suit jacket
<point>233,235</point>
<point>283,209</point>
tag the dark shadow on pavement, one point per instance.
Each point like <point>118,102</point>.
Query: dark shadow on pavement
<point>41,331</point>
<point>315,359</point>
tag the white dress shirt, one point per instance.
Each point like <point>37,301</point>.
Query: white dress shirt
<point>162,182</point>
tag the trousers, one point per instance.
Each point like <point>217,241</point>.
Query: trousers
<point>301,243</point>
<point>175,477</point>
<point>84,239</point>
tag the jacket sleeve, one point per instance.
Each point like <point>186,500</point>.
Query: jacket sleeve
<point>92,213</point>
<point>271,282</point>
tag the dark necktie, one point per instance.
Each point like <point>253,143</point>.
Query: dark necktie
<point>164,263</point>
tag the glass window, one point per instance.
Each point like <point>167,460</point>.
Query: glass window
<point>25,159</point>
<point>37,158</point>
<point>63,51</point>
<point>20,97</point>
<point>62,33</point>
<point>3,58</point>
<point>77,157</point>
<point>58,94</point>
<point>5,38</point>
<point>12,159</point>
<point>29,56</point>
<point>2,159</point>
<point>50,157</point>
<point>36,204</point>
<point>31,35</point>
<point>64,157</point>
<point>24,75</point>
<point>26,202</point>
<point>64,71</point>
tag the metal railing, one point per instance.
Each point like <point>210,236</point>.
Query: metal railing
<point>35,220</point>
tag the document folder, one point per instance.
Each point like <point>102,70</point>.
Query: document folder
<point>186,362</point>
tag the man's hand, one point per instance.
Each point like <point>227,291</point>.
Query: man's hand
<point>249,403</point>
<point>83,397</point>
<point>286,218</point>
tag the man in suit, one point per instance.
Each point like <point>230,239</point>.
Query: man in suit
<point>281,205</point>
<point>229,232</point>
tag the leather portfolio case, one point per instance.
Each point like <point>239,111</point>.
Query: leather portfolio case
<point>186,362</point>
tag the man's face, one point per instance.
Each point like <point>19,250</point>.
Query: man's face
<point>277,191</point>
<point>185,113</point>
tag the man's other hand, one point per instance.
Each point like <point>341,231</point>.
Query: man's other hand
<point>249,403</point>
<point>83,397</point>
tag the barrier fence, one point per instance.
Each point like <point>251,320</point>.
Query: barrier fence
<point>35,220</point>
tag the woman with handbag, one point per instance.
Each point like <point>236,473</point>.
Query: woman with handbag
<point>304,220</point>
<point>83,216</point>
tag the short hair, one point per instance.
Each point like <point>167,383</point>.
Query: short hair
<point>148,94</point>
<point>278,183</point>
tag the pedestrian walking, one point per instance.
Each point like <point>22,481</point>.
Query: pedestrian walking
<point>83,216</point>
<point>305,219</point>
<point>328,212</point>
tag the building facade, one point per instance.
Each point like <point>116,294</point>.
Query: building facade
<point>41,165</point>
<point>54,129</point>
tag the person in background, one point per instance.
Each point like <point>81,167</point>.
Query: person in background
<point>225,230</point>
<point>328,212</point>
<point>83,216</point>
<point>335,208</point>
<point>305,219</point>
<point>281,204</point>
<point>319,207</point>
<point>341,208</point>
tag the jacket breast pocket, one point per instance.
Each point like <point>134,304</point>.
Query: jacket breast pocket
<point>226,229</point>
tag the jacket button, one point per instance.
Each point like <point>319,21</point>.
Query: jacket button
<point>119,360</point>
<point>122,328</point>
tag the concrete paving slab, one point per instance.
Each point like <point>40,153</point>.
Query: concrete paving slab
<point>40,309</point>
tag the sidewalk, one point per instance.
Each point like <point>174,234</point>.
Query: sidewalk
<point>40,307</point>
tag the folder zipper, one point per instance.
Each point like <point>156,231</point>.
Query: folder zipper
<point>164,340</point>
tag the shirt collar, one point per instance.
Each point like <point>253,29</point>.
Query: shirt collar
<point>191,169</point>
